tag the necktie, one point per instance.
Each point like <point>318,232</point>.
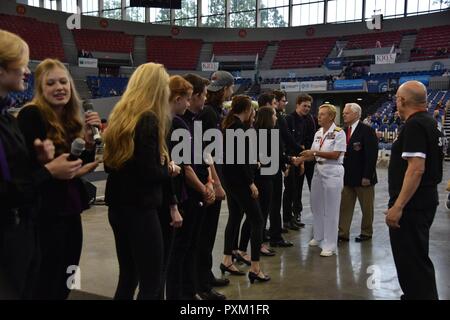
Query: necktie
<point>349,134</point>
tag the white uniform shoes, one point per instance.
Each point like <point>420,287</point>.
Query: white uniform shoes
<point>314,243</point>
<point>326,253</point>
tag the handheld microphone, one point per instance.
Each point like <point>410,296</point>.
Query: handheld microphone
<point>88,108</point>
<point>76,149</point>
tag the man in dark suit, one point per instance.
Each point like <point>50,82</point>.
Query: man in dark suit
<point>360,173</point>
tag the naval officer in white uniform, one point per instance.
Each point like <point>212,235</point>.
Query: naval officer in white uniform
<point>328,150</point>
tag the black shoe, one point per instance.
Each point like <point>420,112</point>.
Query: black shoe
<point>299,224</point>
<point>240,258</point>
<point>253,276</point>
<point>267,254</point>
<point>292,226</point>
<point>224,268</point>
<point>212,295</point>
<point>343,239</point>
<point>281,243</point>
<point>217,282</point>
<point>271,250</point>
<point>362,238</point>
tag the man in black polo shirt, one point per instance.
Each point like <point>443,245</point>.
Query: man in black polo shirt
<point>415,170</point>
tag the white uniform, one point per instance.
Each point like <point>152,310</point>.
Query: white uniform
<point>327,184</point>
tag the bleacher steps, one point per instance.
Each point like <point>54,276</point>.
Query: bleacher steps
<point>269,56</point>
<point>140,51</point>
<point>205,54</point>
<point>407,43</point>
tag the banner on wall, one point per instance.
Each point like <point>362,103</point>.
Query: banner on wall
<point>387,58</point>
<point>334,63</point>
<point>210,66</point>
<point>87,63</point>
<point>424,79</point>
<point>310,86</point>
<point>290,86</point>
<point>357,84</point>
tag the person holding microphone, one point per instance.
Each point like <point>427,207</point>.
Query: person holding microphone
<point>21,177</point>
<point>54,113</point>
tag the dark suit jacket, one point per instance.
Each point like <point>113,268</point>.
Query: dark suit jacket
<point>361,157</point>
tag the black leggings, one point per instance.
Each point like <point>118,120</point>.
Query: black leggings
<point>61,241</point>
<point>239,201</point>
<point>265,188</point>
<point>139,246</point>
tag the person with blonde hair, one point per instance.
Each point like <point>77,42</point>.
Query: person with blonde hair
<point>21,177</point>
<point>55,113</point>
<point>328,149</point>
<point>137,159</point>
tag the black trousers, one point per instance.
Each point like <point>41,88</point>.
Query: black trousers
<point>207,238</point>
<point>182,279</point>
<point>139,246</point>
<point>275,210</point>
<point>19,259</point>
<point>292,204</point>
<point>293,191</point>
<point>409,244</point>
<point>240,201</point>
<point>61,241</point>
<point>265,188</point>
<point>168,237</point>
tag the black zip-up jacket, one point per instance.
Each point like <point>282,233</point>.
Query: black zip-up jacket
<point>302,128</point>
<point>291,145</point>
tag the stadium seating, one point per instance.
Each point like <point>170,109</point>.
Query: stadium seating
<point>429,40</point>
<point>369,40</point>
<point>180,54</point>
<point>104,41</point>
<point>106,86</point>
<point>43,38</point>
<point>303,53</point>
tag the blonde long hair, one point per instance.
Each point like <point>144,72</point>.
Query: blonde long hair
<point>147,92</point>
<point>61,130</point>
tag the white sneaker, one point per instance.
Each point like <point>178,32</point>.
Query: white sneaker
<point>326,253</point>
<point>314,243</point>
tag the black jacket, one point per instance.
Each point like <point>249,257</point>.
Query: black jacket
<point>291,145</point>
<point>59,197</point>
<point>139,183</point>
<point>302,128</point>
<point>22,190</point>
<point>361,157</point>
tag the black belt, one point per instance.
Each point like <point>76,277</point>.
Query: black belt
<point>324,162</point>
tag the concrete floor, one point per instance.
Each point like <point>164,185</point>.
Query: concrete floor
<point>298,272</point>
